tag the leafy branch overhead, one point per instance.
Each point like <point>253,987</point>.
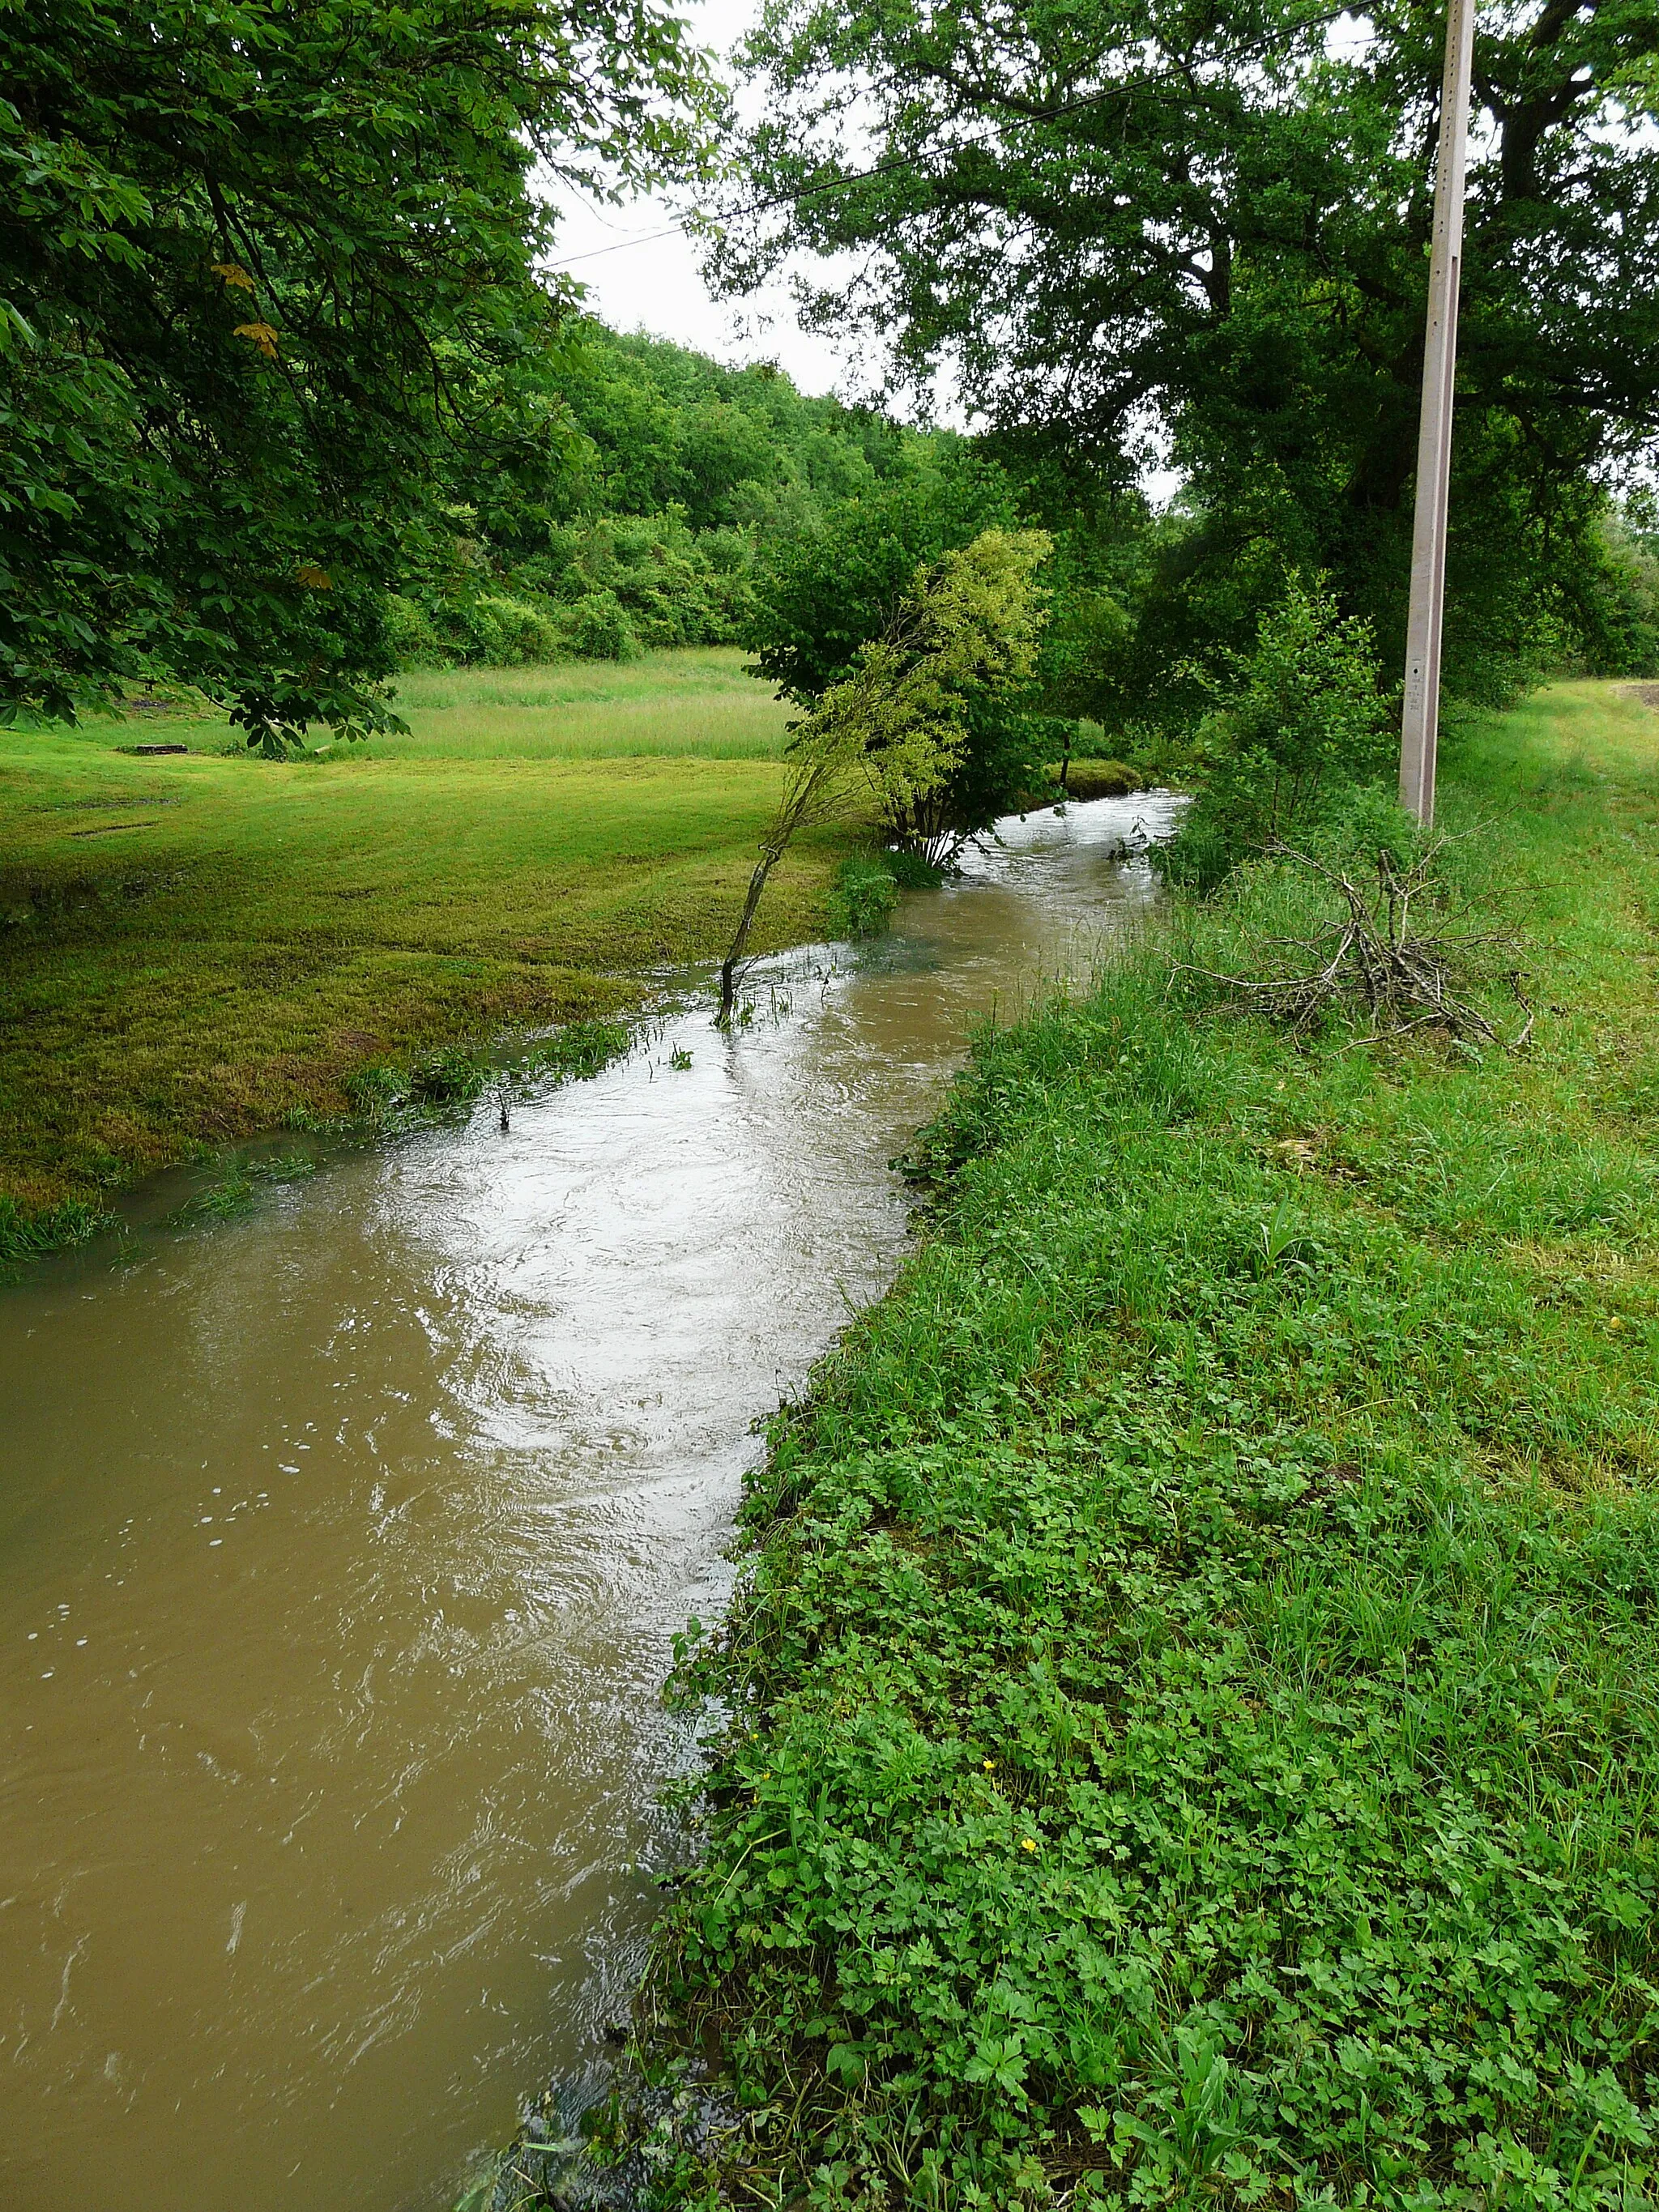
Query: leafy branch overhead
<point>260,265</point>
<point>1109,205</point>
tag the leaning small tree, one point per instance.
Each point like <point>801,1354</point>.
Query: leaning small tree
<point>895,735</point>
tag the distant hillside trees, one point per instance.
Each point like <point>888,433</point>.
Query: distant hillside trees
<point>669,490</point>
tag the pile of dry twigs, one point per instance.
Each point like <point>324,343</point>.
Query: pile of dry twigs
<point>1373,956</point>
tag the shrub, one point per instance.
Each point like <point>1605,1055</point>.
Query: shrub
<point>834,586</point>
<point>1367,819</point>
<point>410,634</point>
<point>935,709</point>
<point>1302,725</point>
<point>598,629</point>
<point>922,725</point>
<point>507,633</point>
<point>865,896</point>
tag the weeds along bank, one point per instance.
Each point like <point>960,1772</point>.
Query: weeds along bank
<point>1195,1732</point>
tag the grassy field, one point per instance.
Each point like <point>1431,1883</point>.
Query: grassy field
<point>697,700</point>
<point>197,946</point>
<point>1198,1659</point>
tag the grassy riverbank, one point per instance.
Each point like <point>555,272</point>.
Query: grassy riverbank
<point>197,947</point>
<point>1197,1670</point>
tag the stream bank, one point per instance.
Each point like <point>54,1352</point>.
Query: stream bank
<point>1191,1698</point>
<point>200,948</point>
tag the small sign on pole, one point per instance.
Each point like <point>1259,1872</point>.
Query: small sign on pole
<point>1420,722</point>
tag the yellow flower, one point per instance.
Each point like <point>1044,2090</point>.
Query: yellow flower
<point>989,1763</point>
<point>1028,1845</point>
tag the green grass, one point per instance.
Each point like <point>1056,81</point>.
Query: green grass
<point>1196,1667</point>
<point>695,702</point>
<point>199,947</point>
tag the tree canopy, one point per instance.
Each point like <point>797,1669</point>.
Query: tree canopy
<point>1123,221</point>
<point>259,261</point>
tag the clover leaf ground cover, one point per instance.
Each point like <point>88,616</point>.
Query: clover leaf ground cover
<point>1186,1730</point>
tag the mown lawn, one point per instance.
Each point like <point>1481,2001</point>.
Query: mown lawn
<point>194,947</point>
<point>1197,1669</point>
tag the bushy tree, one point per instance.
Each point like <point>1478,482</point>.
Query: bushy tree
<point>258,261</point>
<point>897,736</point>
<point>1300,725</point>
<point>838,583</point>
<point>924,706</point>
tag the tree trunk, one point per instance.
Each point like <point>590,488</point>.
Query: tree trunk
<point>763,868</point>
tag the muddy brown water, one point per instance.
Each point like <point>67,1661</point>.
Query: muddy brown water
<point>342,1544</point>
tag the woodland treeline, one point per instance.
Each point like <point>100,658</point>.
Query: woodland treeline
<point>288,397</point>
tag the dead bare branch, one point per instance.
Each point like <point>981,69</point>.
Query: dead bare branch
<point>1374,958</point>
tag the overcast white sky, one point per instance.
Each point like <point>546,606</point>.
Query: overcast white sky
<point>656,286</point>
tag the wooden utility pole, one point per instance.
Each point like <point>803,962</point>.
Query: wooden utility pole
<point>1420,723</point>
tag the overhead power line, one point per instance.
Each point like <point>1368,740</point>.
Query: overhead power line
<point>902,161</point>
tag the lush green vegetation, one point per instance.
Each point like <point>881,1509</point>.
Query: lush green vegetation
<point>266,273</point>
<point>1191,1710</point>
<point>1117,225</point>
<point>199,947</point>
<point>1189,1722</point>
<point>685,483</point>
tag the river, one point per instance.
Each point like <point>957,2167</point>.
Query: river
<point>342,1544</point>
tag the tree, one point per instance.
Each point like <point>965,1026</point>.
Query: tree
<point>838,584</point>
<point>895,736</point>
<point>1126,220</point>
<point>258,260</point>
<point>1297,722</point>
